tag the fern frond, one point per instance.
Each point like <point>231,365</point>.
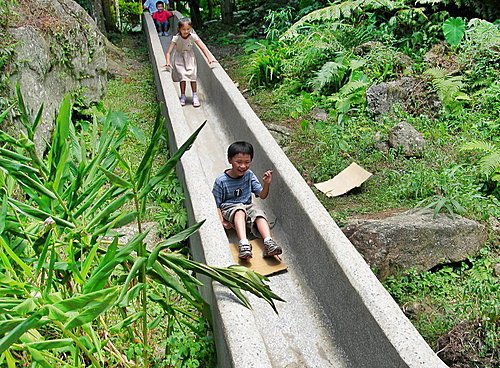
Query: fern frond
<point>353,86</point>
<point>490,164</point>
<point>331,72</point>
<point>483,146</point>
<point>335,12</point>
<point>436,73</point>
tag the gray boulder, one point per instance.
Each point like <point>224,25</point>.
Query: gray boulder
<point>382,97</point>
<point>59,51</point>
<point>414,240</point>
<point>406,138</point>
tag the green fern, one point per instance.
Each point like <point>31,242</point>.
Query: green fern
<point>339,11</point>
<point>489,164</point>
<point>448,88</point>
<point>331,73</point>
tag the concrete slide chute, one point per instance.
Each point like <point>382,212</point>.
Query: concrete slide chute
<point>336,313</point>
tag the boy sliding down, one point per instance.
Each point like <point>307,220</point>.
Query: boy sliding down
<point>233,195</point>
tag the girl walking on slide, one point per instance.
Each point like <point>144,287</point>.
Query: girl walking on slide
<point>184,62</point>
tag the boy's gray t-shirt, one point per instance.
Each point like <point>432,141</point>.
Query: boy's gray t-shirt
<point>228,190</point>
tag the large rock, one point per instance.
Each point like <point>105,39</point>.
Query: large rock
<point>59,51</point>
<point>414,240</point>
<point>406,138</point>
<point>411,94</point>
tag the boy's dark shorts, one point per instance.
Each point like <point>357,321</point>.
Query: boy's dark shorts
<point>252,212</point>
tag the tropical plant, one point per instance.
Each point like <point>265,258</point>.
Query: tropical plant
<point>479,52</point>
<point>448,88</point>
<point>487,9</point>
<point>277,22</point>
<point>454,30</point>
<point>266,65</point>
<point>489,163</point>
<point>338,11</point>
<point>62,265</point>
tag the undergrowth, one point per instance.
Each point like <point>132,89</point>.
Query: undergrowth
<point>134,94</point>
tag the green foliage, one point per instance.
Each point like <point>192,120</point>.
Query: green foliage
<point>277,22</point>
<point>130,15</point>
<point>487,9</point>
<point>448,89</point>
<point>266,65</point>
<point>454,30</point>
<point>7,47</point>
<point>473,290</point>
<point>336,12</point>
<point>489,163</point>
<point>59,275</point>
<point>479,53</point>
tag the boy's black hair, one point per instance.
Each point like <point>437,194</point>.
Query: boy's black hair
<point>160,2</point>
<point>240,147</point>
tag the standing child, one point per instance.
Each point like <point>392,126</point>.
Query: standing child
<point>184,65</point>
<point>161,17</point>
<point>233,195</point>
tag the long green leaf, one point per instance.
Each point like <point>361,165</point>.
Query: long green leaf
<point>3,211</point>
<point>86,300</point>
<point>4,114</point>
<point>146,164</point>
<point>13,155</point>
<point>90,313</point>
<point>33,321</point>
<point>34,185</point>
<point>13,167</point>
<point>100,276</point>
<point>115,179</point>
<point>170,165</point>
<point>15,258</point>
<point>131,275</point>
<point>126,322</point>
<point>23,112</point>
<point>131,294</point>
<point>37,214</point>
<point>109,209</point>
<point>49,344</point>
<point>177,238</point>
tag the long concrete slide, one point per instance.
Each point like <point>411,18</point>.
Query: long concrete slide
<point>336,313</point>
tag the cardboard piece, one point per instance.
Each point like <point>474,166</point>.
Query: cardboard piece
<point>351,177</point>
<point>265,266</point>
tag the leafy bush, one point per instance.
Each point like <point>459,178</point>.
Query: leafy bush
<point>266,65</point>
<point>130,15</point>
<point>470,285</point>
<point>479,52</point>
<point>62,269</point>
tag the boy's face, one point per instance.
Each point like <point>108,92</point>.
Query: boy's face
<point>240,163</point>
<point>159,6</point>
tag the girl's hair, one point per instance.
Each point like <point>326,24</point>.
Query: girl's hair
<point>240,147</point>
<point>183,21</point>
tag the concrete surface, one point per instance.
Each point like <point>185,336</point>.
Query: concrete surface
<point>336,312</point>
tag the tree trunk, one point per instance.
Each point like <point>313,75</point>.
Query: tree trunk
<point>109,15</point>
<point>98,15</point>
<point>210,6</point>
<point>194,8</point>
<point>227,11</point>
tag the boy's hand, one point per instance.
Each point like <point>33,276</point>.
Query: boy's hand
<point>267,177</point>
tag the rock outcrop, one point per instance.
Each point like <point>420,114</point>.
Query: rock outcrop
<point>59,50</point>
<point>415,240</point>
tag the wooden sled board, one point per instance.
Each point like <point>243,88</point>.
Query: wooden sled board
<point>265,266</point>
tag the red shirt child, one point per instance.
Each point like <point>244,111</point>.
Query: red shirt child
<point>161,15</point>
